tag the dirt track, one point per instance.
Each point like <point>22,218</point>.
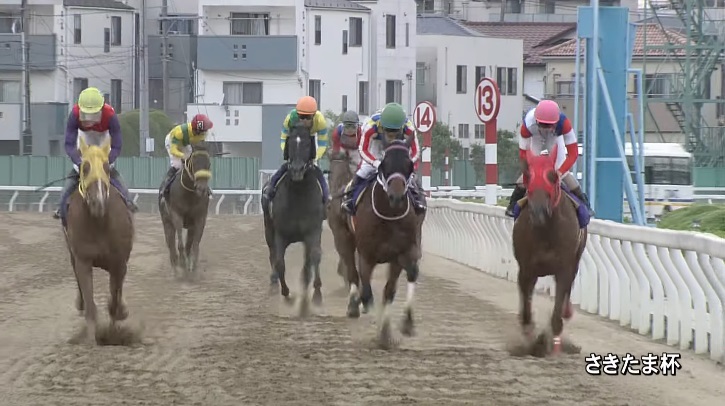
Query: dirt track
<point>224,341</point>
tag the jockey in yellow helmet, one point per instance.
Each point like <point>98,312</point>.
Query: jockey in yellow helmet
<point>93,119</point>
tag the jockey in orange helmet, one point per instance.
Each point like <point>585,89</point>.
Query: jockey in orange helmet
<point>546,123</point>
<point>306,112</point>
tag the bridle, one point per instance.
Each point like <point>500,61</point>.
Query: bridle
<point>384,182</point>
<point>189,169</point>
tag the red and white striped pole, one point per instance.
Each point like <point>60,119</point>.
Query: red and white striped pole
<point>487,102</point>
<point>424,118</point>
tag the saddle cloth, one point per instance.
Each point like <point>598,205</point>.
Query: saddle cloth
<point>582,214</point>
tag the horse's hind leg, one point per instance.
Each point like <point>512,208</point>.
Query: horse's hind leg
<point>385,338</point>
<point>412,271</point>
<point>315,257</point>
<point>170,234</point>
<point>527,283</point>
<point>563,289</point>
<point>117,309</point>
<point>84,273</point>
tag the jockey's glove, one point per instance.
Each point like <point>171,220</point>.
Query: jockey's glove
<point>376,163</point>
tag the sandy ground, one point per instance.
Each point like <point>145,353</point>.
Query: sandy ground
<point>223,340</point>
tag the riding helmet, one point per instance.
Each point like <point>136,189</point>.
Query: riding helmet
<point>547,112</point>
<point>350,117</point>
<point>201,123</point>
<point>306,105</point>
<point>90,101</point>
<point>393,116</point>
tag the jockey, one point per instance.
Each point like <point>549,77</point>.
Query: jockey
<point>547,121</point>
<point>305,111</point>
<point>392,120</point>
<point>95,120</point>
<point>179,141</point>
<point>346,136</point>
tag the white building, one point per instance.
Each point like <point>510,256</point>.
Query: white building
<point>452,59</point>
<point>72,44</point>
<point>255,59</point>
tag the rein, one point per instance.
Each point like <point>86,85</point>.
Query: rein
<point>188,169</point>
<point>384,182</point>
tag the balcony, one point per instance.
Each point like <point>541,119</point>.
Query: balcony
<point>245,53</point>
<point>42,52</point>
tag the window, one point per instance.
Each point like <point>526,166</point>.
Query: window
<point>106,40</point>
<point>480,74</point>
<point>420,73</point>
<point>407,34</point>
<point>356,34</point>
<point>658,84</point>
<point>425,6</point>
<point>76,28</point>
<point>344,103</point>
<point>10,91</point>
<point>479,131</point>
<point>568,87</point>
<point>666,170</point>
<point>514,7</point>
<point>363,101</point>
<point>315,90</point>
<point>318,30</point>
<point>116,99</point>
<point>547,7</point>
<point>115,31</point>
<point>344,42</point>
<point>501,79</point>
<point>390,31</point>
<point>512,81</point>
<point>78,85</point>
<point>465,152</point>
<point>250,24</point>
<point>393,91</point>
<point>179,24</point>
<point>461,79</point>
<point>463,131</point>
<point>238,93</point>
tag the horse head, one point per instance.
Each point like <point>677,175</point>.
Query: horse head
<point>301,151</point>
<point>95,175</point>
<point>395,171</point>
<point>198,168</point>
<point>543,186</point>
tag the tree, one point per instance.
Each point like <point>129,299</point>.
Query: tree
<point>159,125</point>
<point>442,139</point>
<point>507,155</point>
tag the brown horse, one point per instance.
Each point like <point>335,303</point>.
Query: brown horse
<point>186,206</point>
<point>385,229</point>
<point>547,240</point>
<point>99,233</point>
<point>342,169</point>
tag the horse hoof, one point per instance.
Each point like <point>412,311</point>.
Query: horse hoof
<point>285,291</point>
<point>317,298</point>
<point>353,310</point>
<point>556,346</point>
<point>408,327</point>
<point>367,307</point>
<point>273,289</point>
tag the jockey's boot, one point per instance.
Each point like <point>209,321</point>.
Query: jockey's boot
<point>167,179</point>
<point>578,192</point>
<point>518,193</point>
<point>418,199</point>
<point>347,204</point>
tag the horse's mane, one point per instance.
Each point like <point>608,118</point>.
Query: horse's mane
<point>200,146</point>
<point>300,129</point>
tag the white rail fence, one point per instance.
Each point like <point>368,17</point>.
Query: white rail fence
<point>668,285</point>
<point>244,202</point>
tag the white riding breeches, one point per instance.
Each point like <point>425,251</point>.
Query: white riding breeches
<point>568,178</point>
<point>366,170</point>
<point>174,160</point>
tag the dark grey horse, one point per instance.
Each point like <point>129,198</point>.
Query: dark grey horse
<point>185,206</point>
<point>295,214</point>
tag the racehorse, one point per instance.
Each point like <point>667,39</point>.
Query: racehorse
<point>342,169</point>
<point>99,233</point>
<point>385,229</point>
<point>295,214</point>
<point>185,205</point>
<point>548,239</point>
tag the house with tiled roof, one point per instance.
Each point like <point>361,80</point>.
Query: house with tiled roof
<point>536,37</point>
<point>451,59</point>
<point>663,78</point>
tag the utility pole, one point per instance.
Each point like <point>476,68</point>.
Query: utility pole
<point>143,133</point>
<point>27,137</point>
<point>165,56</point>
<point>503,11</point>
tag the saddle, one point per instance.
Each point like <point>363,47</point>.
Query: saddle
<point>65,203</point>
<point>271,201</point>
<point>582,214</point>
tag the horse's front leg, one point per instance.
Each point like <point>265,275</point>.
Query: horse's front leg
<point>195,242</point>
<point>412,272</point>
<point>366,271</point>
<point>315,257</point>
<point>117,309</point>
<point>527,283</point>
<point>170,235</point>
<point>563,289</point>
<point>313,254</point>
<point>280,248</point>
<point>79,295</point>
<point>385,338</point>
<point>84,273</point>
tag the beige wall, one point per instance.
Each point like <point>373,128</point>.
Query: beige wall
<point>653,111</point>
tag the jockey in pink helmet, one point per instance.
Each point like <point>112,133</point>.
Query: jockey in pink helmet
<point>546,123</point>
